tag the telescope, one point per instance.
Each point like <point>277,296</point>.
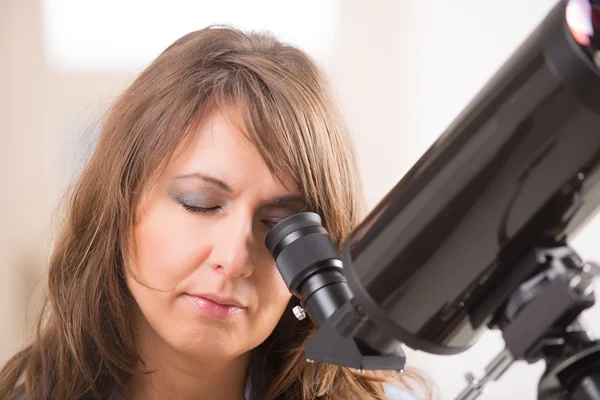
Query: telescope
<point>476,235</point>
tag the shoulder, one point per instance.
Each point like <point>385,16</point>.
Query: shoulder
<point>396,392</point>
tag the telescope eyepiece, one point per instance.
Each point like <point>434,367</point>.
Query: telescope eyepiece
<point>301,248</point>
<point>310,264</point>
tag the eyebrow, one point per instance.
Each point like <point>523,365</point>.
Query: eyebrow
<point>292,201</point>
<point>206,178</point>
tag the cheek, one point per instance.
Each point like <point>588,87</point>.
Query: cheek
<point>273,295</point>
<point>167,248</point>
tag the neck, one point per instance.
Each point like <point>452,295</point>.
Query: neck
<point>175,375</point>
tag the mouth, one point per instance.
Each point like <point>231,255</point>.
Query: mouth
<point>215,306</point>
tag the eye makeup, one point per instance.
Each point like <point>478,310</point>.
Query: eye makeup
<point>212,195</point>
<point>196,202</point>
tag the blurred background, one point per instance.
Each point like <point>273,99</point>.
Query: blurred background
<point>401,70</point>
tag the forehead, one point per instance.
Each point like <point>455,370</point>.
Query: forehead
<point>220,146</point>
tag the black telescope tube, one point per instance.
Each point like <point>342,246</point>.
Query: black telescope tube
<point>517,169</point>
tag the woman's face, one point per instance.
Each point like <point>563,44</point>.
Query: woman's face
<point>199,241</point>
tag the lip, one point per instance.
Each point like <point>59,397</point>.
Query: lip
<point>215,298</point>
<point>215,306</point>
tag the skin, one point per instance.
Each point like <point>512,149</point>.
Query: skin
<point>180,250</point>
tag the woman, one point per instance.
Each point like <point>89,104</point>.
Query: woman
<point>160,285</point>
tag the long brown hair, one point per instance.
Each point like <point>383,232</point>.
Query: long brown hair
<point>85,346</point>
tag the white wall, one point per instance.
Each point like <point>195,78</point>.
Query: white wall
<point>420,64</point>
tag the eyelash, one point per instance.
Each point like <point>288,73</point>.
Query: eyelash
<point>270,223</point>
<point>195,209</point>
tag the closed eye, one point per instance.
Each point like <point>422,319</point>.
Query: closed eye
<point>270,223</point>
<point>194,208</point>
<point>197,209</point>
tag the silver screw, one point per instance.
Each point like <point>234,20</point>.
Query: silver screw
<point>299,313</point>
<point>584,283</point>
<point>471,380</point>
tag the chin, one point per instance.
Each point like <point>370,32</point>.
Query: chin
<point>208,340</point>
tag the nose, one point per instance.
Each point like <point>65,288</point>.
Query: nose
<point>231,250</point>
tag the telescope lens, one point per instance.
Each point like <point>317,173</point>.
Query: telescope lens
<point>583,20</point>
